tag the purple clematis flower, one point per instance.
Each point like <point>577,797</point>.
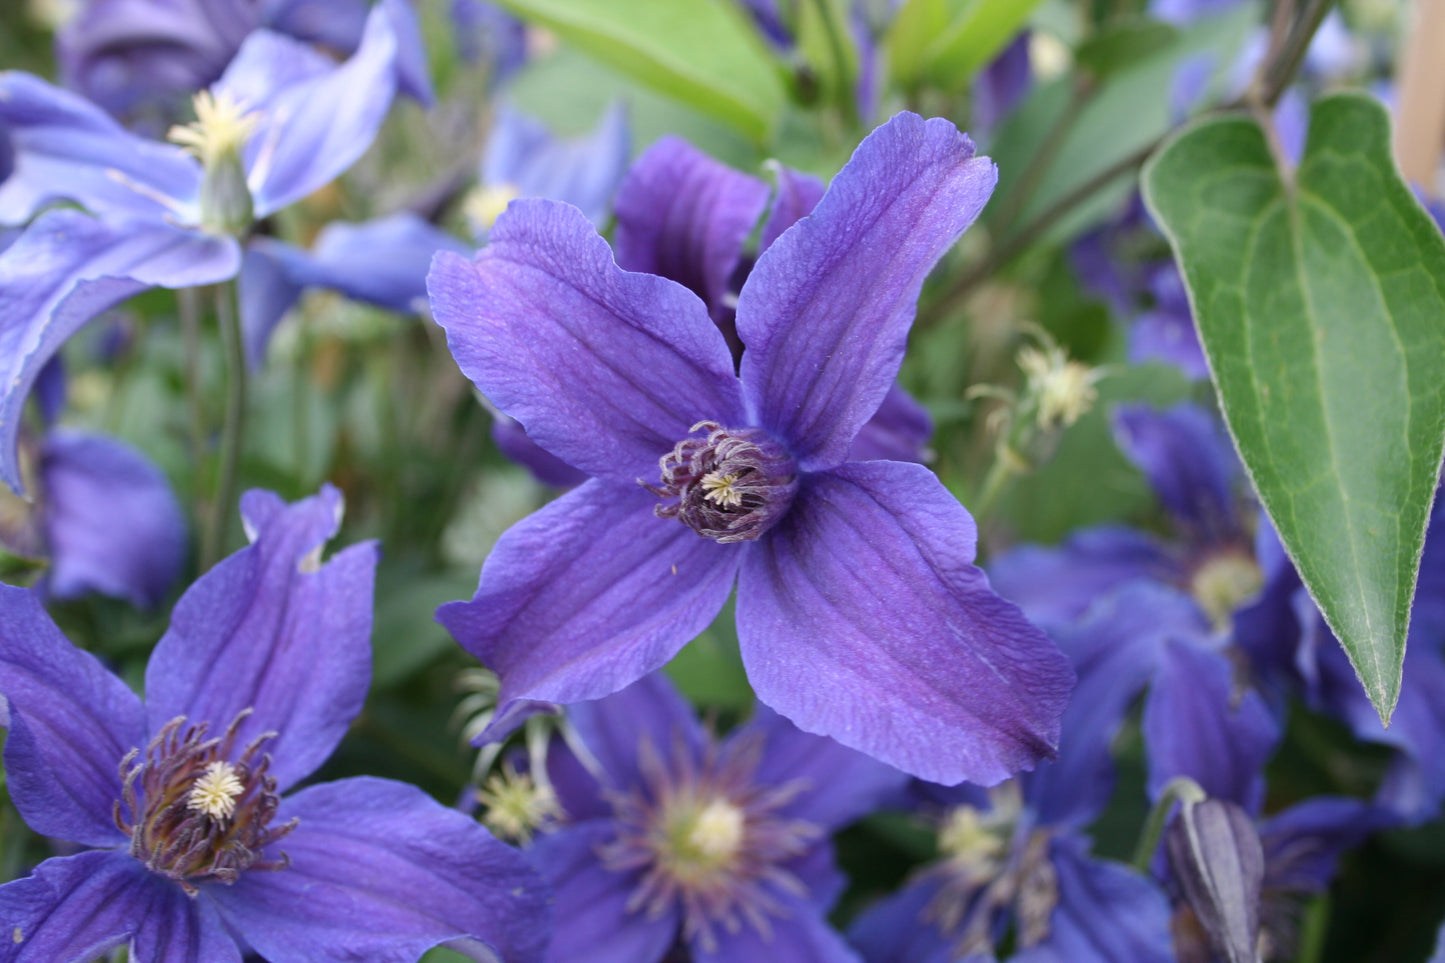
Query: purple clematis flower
<point>312,118</point>
<point>139,57</point>
<point>673,839</point>
<point>104,516</point>
<point>860,613</point>
<point>1018,854</point>
<point>525,159</point>
<point>193,853</point>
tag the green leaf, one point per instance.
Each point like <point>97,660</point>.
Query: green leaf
<point>1122,46</point>
<point>1125,112</point>
<point>1320,299</point>
<point>699,51</point>
<point>947,42</point>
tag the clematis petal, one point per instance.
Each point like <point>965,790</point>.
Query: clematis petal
<point>1170,337</point>
<point>382,262</point>
<point>511,440</point>
<point>1218,862</point>
<point>592,902</point>
<point>382,872</point>
<point>1107,913</point>
<point>81,907</point>
<point>1303,844</point>
<point>862,617</point>
<point>685,216</point>
<point>71,722</point>
<point>607,370</point>
<point>898,431</point>
<point>112,522</point>
<point>1196,725</point>
<point>66,148</point>
<point>1188,461</point>
<point>794,199</point>
<point>523,155</point>
<point>1056,585</point>
<point>315,120</point>
<point>612,729</point>
<point>68,268</point>
<point>894,930</point>
<point>588,595</point>
<point>826,311</point>
<point>1115,649</point>
<point>802,936</point>
<point>273,630</point>
<point>838,785</point>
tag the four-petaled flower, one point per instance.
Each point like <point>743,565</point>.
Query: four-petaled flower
<point>195,854</point>
<point>860,613</point>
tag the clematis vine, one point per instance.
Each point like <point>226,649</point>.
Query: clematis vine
<point>281,122</point>
<point>673,839</point>
<point>860,613</point>
<point>192,853</point>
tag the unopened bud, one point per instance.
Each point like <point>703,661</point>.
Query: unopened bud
<point>1219,862</point>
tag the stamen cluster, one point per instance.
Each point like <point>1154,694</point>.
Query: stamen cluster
<point>731,486</point>
<point>192,813</point>
<point>705,837</point>
<point>993,863</point>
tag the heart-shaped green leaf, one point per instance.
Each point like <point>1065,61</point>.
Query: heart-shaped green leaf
<point>1320,299</point>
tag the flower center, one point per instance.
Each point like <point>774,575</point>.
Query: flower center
<point>516,806</point>
<point>1222,582</point>
<point>731,485</point>
<point>704,837</point>
<point>197,811</point>
<point>222,126</point>
<point>483,205</point>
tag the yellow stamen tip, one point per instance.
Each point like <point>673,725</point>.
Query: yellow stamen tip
<point>216,792</point>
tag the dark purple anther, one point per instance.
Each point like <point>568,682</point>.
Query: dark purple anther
<point>192,812</point>
<point>731,486</point>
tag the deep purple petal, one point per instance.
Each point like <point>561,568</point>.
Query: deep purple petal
<point>524,155</point>
<point>794,199</point>
<point>1303,844</point>
<point>575,782</point>
<point>335,24</point>
<point>591,902</point>
<point>826,311</point>
<point>71,722</point>
<point>607,370</point>
<point>511,439</point>
<point>1115,649</point>
<point>1188,461</point>
<point>68,268</point>
<point>685,216</point>
<point>1003,83</point>
<point>314,124</point>
<point>111,520</point>
<point>382,872</point>
<point>898,431</point>
<point>895,930</point>
<point>80,907</point>
<point>1196,724</point>
<point>1217,859</point>
<point>862,617</point>
<point>273,630</point>
<point>590,594</point>
<point>1056,585</point>
<point>613,729</point>
<point>66,148</point>
<point>1107,913</point>
<point>800,937</point>
<point>838,785</point>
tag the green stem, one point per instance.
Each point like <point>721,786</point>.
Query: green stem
<point>189,305</point>
<point>1314,929</point>
<point>1278,71</point>
<point>1180,789</point>
<point>232,429</point>
<point>1005,468</point>
<point>846,102</point>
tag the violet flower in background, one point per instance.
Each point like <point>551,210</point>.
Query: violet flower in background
<point>525,159</point>
<point>486,32</point>
<point>1017,856</point>
<point>309,119</point>
<point>673,839</point>
<point>860,614</point>
<point>193,853</point>
<point>142,59</point>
